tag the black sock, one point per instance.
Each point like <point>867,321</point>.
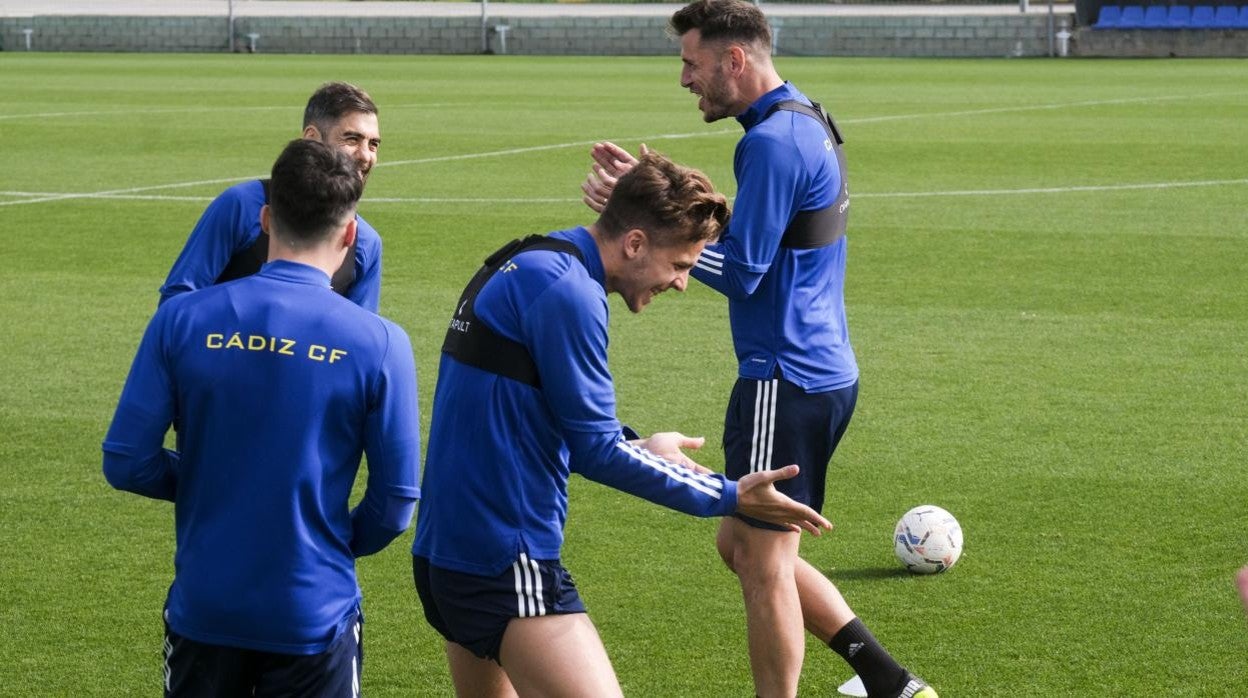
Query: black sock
<point>880,673</point>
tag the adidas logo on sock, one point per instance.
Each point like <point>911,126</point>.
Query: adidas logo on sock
<point>913,686</point>
<point>854,647</point>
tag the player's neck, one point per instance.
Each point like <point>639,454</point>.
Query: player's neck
<point>325,257</point>
<point>764,80</point>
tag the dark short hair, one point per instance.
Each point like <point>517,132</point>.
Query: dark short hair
<point>673,204</point>
<point>313,191</point>
<point>334,100</point>
<point>723,20</point>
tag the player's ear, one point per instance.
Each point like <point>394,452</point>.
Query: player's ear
<point>348,237</point>
<point>311,133</point>
<point>264,220</point>
<point>634,243</point>
<point>736,59</point>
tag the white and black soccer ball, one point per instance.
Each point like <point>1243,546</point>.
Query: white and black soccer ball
<point>928,540</point>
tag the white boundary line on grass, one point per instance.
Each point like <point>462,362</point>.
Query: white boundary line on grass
<point>194,110</point>
<point>559,200</point>
<point>121,193</point>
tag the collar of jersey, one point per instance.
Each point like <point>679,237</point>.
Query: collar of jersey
<point>580,237</point>
<point>285,270</point>
<point>750,117</point>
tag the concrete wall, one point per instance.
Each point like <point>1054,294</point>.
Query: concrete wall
<point>1160,43</point>
<point>884,35</point>
<point>946,35</point>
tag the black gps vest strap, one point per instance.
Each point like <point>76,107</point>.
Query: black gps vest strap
<point>249,260</point>
<point>811,229</point>
<point>472,342</point>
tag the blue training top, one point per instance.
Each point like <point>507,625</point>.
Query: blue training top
<point>501,451</point>
<point>231,224</point>
<point>277,385</point>
<point>786,306</point>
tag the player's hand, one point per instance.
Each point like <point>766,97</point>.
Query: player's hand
<point>668,445</point>
<point>610,163</point>
<point>757,497</point>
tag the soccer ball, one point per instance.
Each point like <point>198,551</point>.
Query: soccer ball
<point>928,540</point>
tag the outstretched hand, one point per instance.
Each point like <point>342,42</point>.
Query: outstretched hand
<point>610,163</point>
<point>757,497</point>
<point>668,444</point>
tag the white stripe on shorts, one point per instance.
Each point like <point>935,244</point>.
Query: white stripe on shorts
<point>764,425</point>
<point>528,587</point>
<point>168,654</point>
<point>355,664</point>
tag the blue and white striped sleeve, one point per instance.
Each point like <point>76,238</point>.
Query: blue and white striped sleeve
<point>610,460</point>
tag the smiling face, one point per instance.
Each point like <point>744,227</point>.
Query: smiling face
<point>649,270</point>
<point>706,73</point>
<point>356,134</point>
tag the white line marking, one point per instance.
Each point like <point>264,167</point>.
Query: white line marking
<point>1040,107</point>
<point>120,193</point>
<point>570,200</point>
<point>131,190</point>
<point>1055,190</point>
<point>130,113</point>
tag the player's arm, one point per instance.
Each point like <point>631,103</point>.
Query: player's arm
<point>612,461</point>
<point>392,444</point>
<point>770,177</point>
<point>566,333</point>
<point>222,230</point>
<point>135,459</point>
<point>567,336</point>
<point>365,291</point>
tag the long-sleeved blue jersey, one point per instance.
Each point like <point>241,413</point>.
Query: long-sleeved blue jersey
<point>786,306</point>
<point>501,451</point>
<point>277,386</point>
<point>231,224</point>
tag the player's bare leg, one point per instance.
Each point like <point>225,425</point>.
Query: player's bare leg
<point>558,656</point>
<point>475,677</point>
<point>1241,580</point>
<point>824,610</point>
<point>764,562</point>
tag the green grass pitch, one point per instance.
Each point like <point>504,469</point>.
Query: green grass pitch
<point>1048,294</point>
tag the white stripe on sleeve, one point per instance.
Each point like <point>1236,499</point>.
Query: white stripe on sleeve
<point>705,484</point>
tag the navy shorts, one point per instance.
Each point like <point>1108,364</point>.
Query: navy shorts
<point>198,670</point>
<point>774,423</point>
<point>474,611</point>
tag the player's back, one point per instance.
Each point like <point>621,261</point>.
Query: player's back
<point>274,375</point>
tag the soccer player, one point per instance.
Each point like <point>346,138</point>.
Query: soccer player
<point>228,242</point>
<point>523,400</point>
<point>278,385</point>
<point>781,263</point>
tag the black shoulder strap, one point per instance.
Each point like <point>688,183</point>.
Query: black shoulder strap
<point>813,110</point>
<point>474,343</point>
<point>248,261</point>
<point>820,227</point>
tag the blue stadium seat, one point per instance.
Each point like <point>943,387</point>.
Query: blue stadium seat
<point>1110,16</point>
<point>1242,22</point>
<point>1132,17</point>
<point>1155,16</point>
<point>1203,16</point>
<point>1178,17</point>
